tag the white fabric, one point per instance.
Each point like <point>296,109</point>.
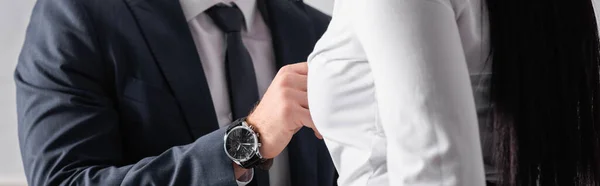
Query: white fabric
<point>389,90</point>
<point>210,43</point>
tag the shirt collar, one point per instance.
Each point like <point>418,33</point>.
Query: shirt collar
<point>191,8</point>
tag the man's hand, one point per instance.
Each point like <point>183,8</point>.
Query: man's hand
<point>283,110</point>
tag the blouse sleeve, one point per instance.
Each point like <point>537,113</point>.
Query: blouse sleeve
<point>426,107</point>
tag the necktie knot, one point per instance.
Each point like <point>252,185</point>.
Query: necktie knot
<point>227,18</point>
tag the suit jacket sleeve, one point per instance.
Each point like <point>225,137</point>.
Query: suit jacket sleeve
<point>68,127</point>
<point>424,95</point>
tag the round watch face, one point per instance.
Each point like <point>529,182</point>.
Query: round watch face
<point>240,143</point>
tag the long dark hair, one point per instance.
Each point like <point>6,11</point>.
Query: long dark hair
<point>544,91</point>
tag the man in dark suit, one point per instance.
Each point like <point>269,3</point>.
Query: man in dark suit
<point>156,92</point>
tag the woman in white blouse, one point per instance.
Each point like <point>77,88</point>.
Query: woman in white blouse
<point>396,88</point>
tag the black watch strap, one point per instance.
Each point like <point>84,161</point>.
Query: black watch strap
<point>235,123</point>
<point>255,161</point>
<point>251,163</point>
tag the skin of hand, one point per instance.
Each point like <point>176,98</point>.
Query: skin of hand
<point>282,111</point>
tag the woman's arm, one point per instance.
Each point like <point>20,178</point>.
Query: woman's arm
<point>423,91</point>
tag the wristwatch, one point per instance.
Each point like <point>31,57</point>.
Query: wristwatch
<point>242,144</point>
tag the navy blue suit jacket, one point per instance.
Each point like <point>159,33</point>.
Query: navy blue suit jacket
<point>112,92</point>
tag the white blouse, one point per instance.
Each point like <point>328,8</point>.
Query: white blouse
<point>389,88</point>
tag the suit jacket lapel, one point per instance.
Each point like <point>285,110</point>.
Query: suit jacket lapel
<point>293,40</point>
<point>166,32</point>
<point>291,30</point>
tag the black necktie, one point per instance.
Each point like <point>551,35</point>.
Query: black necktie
<point>243,91</point>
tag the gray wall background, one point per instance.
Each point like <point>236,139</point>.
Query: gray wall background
<point>14,17</point>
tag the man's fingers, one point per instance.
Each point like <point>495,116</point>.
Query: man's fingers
<point>304,115</point>
<point>295,81</point>
<point>294,78</point>
<point>302,99</point>
<point>308,122</point>
<point>299,68</point>
<point>318,134</point>
<point>297,96</point>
